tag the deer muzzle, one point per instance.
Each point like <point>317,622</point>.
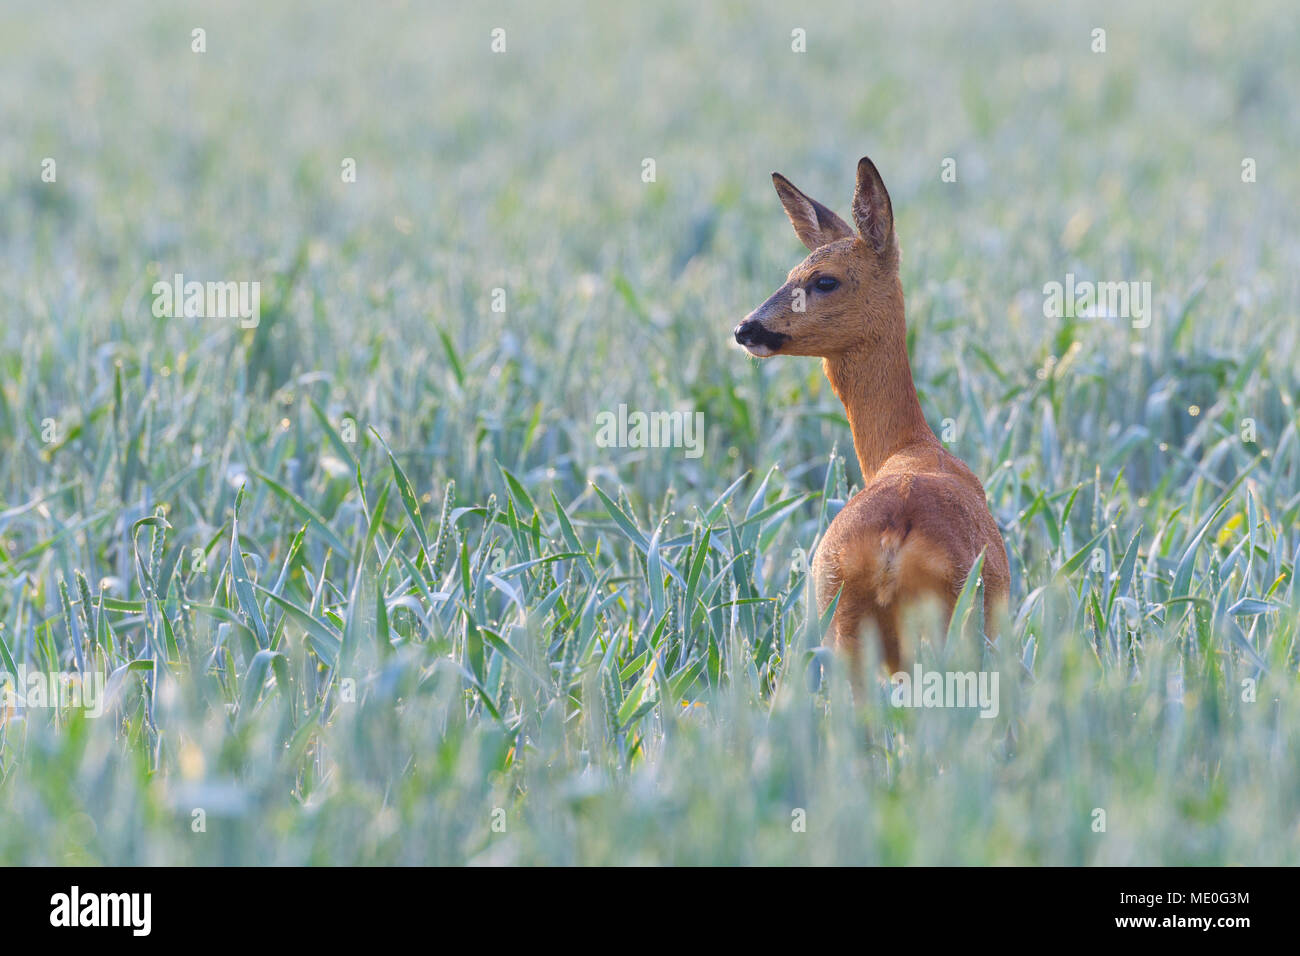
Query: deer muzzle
<point>758,339</point>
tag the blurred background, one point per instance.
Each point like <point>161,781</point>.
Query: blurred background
<point>522,170</point>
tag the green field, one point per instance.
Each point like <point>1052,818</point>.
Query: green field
<point>443,623</point>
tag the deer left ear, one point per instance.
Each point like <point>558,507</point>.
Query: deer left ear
<point>814,224</point>
<point>872,211</point>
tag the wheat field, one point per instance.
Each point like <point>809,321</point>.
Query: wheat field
<point>363,581</point>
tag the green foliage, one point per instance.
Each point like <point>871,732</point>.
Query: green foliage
<point>363,585</point>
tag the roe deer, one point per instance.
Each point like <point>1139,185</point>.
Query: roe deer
<point>921,519</point>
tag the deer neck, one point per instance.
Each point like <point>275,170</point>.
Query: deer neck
<point>874,382</point>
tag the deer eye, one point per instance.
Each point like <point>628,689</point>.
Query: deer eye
<point>826,284</point>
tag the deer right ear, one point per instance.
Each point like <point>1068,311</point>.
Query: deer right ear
<point>872,210</point>
<point>814,224</point>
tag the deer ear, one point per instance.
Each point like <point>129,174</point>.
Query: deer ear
<point>814,224</point>
<point>872,210</point>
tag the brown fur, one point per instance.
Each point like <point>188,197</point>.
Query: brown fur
<point>921,520</point>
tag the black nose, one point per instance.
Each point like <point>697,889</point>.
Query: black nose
<point>747,332</point>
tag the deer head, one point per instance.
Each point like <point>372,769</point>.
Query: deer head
<point>846,296</point>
